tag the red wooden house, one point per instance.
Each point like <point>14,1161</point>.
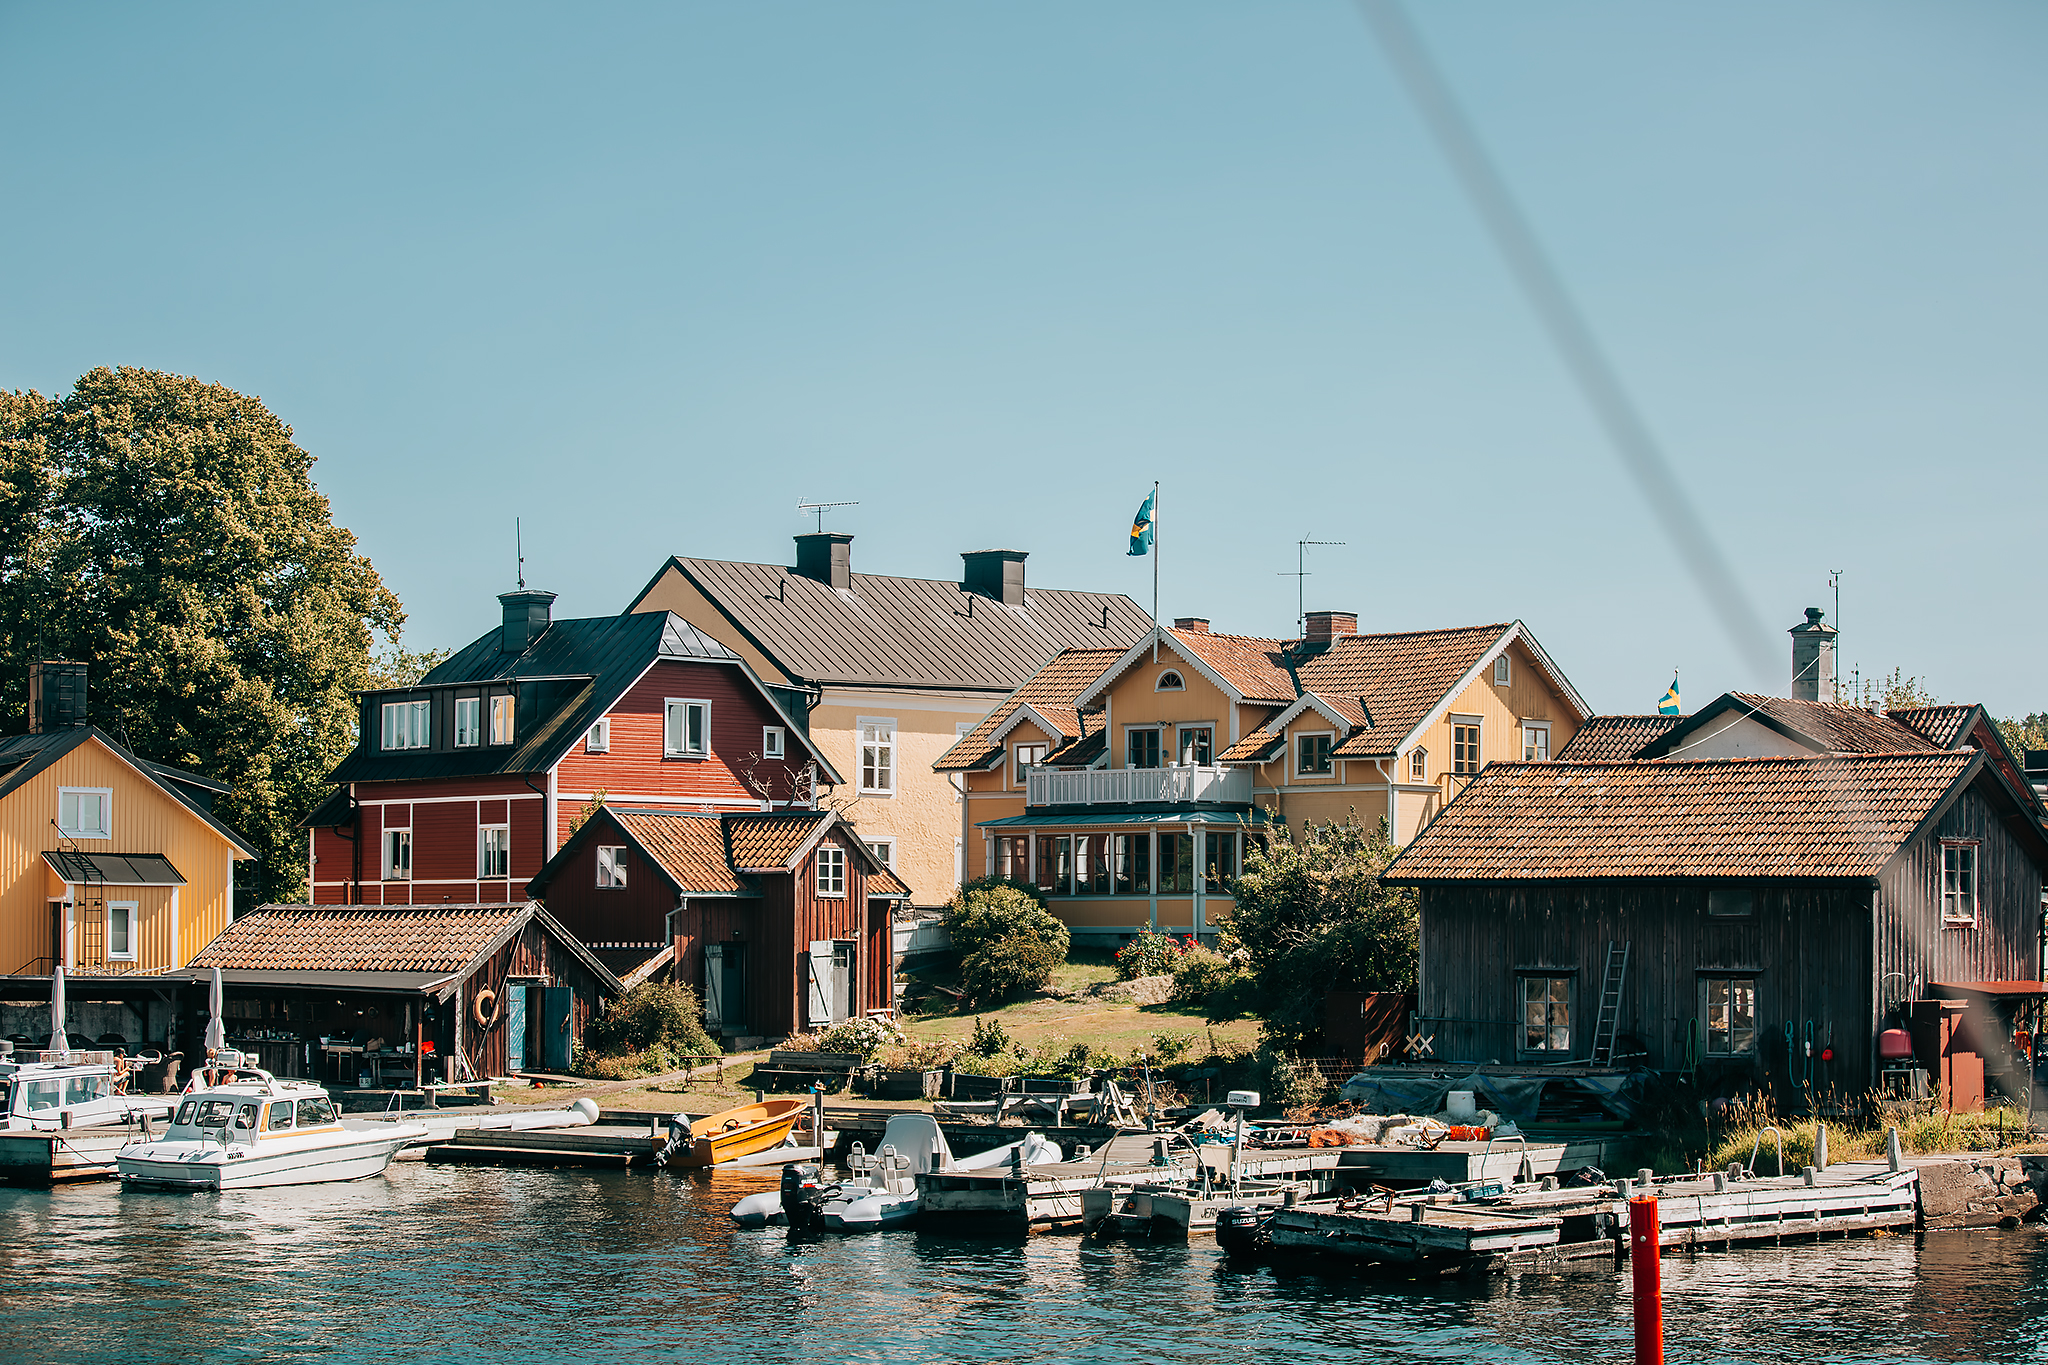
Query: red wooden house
<point>465,784</point>
<point>782,919</point>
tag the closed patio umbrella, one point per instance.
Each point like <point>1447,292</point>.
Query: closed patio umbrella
<point>58,1042</point>
<point>216,1034</point>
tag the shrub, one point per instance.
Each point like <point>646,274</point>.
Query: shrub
<point>1008,941</point>
<point>860,1037</point>
<point>1148,954</point>
<point>1200,973</point>
<point>657,1019</point>
<point>914,1055</point>
<point>1289,1083</point>
<point>989,1038</point>
<point>1172,1047</point>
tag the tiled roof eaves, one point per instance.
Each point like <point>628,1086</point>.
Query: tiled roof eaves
<point>1608,738</point>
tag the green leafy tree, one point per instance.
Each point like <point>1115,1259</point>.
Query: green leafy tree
<point>2024,734</point>
<point>1895,691</point>
<point>167,532</point>
<point>1007,940</point>
<point>1312,918</point>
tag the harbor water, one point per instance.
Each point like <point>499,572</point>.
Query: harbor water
<point>468,1264</point>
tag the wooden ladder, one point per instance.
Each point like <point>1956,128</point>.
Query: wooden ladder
<point>1609,1021</point>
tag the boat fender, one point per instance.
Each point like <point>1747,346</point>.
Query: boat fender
<point>485,1008</point>
<point>587,1107</point>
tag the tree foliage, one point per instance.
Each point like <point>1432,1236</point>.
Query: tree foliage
<point>167,532</point>
<point>1895,691</point>
<point>1008,941</point>
<point>2029,732</point>
<point>1312,918</point>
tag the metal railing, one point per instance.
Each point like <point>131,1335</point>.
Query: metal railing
<point>1138,786</point>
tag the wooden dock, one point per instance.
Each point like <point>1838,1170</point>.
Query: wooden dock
<point>48,1158</point>
<point>616,1146</point>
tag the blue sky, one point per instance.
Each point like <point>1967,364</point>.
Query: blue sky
<point>646,276</point>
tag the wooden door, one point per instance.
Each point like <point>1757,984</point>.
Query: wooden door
<point>556,1046</point>
<point>515,1028</point>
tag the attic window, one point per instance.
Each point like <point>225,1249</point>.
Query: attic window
<point>1500,671</point>
<point>82,812</point>
<point>1958,882</point>
<point>1170,681</point>
<point>1418,765</point>
<point>771,741</point>
<point>599,740</point>
<point>406,724</point>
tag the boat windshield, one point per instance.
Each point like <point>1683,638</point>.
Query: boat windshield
<point>38,1096</point>
<point>6,1096</point>
<point>209,1113</point>
<point>245,1117</point>
<point>79,1089</point>
<point>319,1110</point>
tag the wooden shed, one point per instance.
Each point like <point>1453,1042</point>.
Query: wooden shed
<point>422,993</point>
<point>1751,922</point>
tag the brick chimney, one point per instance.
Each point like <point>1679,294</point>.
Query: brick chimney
<point>1324,626</point>
<point>826,557</point>
<point>527,613</point>
<point>56,696</point>
<point>997,575</point>
<point>1813,659</point>
<point>1198,625</point>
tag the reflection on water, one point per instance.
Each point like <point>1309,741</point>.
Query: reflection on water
<point>458,1264</point>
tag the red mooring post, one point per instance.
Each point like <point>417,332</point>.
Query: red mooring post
<point>1649,1279</point>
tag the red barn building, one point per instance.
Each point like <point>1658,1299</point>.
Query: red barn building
<point>465,784</point>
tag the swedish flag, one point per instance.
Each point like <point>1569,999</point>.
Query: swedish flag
<point>1141,526</point>
<point>1669,706</point>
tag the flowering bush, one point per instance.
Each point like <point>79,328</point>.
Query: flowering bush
<point>1148,954</point>
<point>861,1037</point>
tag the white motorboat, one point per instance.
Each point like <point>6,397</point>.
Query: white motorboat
<point>252,1130</point>
<point>882,1192</point>
<point>70,1089</point>
<point>441,1125</point>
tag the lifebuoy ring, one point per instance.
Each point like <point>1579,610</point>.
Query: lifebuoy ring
<point>484,1009</point>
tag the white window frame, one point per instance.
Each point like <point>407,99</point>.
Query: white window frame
<point>1418,764</point>
<point>73,829</point>
<point>1478,744</point>
<point>1541,727</point>
<point>1180,741</point>
<point>831,871</point>
<point>876,755</point>
<point>611,870</point>
<point>675,739</point>
<point>483,849</point>
<point>774,742</point>
<point>414,728</point>
<point>884,851</point>
<point>132,910</point>
<point>1959,907</point>
<point>1550,1046</point>
<point>394,840</point>
<point>471,734</point>
<point>1180,682</point>
<point>1024,756</point>
<point>599,738</point>
<point>1503,672</point>
<point>504,719</point>
<point>1299,736</point>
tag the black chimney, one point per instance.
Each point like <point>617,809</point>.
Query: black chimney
<point>526,618</point>
<point>995,574</point>
<point>56,696</point>
<point>826,556</point>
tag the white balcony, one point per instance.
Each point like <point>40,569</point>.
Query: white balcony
<point>1138,786</point>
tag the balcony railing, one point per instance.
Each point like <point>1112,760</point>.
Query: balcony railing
<point>1138,786</point>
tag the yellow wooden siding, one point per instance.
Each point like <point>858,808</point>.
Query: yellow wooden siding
<point>1501,711</point>
<point>144,819</point>
<point>1133,701</point>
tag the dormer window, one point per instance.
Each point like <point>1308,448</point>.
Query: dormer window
<point>1418,765</point>
<point>469,722</point>
<point>1500,671</point>
<point>83,812</point>
<point>501,719</point>
<point>1170,681</point>
<point>406,725</point>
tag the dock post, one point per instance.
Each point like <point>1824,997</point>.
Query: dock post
<point>1892,1151</point>
<point>1647,1273</point>
<point>1820,1146</point>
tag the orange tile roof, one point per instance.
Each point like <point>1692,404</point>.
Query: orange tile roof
<point>689,847</point>
<point>1942,726</point>
<point>361,938</point>
<point>1050,692</point>
<point>771,842</point>
<point>1838,729</point>
<point>1605,738</point>
<point>1748,817</point>
<point>883,882</point>
<point>1256,667</point>
<point>1251,747</point>
<point>1396,680</point>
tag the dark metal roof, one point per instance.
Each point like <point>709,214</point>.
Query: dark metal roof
<point>24,756</point>
<point>574,673</point>
<point>114,869</point>
<point>406,982</point>
<point>884,631</point>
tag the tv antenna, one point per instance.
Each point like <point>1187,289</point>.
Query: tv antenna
<point>519,548</point>
<point>1300,577</point>
<point>821,507</point>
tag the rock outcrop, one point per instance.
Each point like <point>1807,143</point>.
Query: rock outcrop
<point>1981,1191</point>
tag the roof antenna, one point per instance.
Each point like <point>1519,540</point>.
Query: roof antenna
<point>820,508</point>
<point>1300,577</point>
<point>519,547</point>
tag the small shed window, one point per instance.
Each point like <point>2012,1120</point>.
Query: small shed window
<point>1958,883</point>
<point>771,741</point>
<point>611,865</point>
<point>1729,1004</point>
<point>1730,902</point>
<point>1170,681</point>
<point>469,722</point>
<point>831,870</point>
<point>1547,1014</point>
<point>599,740</point>
<point>1418,765</point>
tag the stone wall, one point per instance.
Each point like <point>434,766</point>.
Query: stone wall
<point>1982,1191</point>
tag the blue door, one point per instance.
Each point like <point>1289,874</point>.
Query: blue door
<point>555,1049</point>
<point>515,1028</point>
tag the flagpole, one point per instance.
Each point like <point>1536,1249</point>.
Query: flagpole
<point>1155,570</point>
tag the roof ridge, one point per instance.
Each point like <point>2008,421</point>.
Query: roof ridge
<point>955,583</point>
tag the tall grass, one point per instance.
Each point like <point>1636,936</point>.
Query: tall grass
<point>1863,1140</point>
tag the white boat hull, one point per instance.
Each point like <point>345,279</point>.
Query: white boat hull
<point>192,1167</point>
<point>870,1213</point>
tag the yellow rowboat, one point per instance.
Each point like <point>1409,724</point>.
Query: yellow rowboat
<point>738,1132</point>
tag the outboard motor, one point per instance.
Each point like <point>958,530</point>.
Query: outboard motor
<point>1241,1231</point>
<point>803,1196</point>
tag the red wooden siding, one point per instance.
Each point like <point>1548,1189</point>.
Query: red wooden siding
<point>625,925</point>
<point>445,843</point>
<point>534,954</point>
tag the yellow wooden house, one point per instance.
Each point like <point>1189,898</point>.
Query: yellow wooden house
<point>1128,784</point>
<point>109,864</point>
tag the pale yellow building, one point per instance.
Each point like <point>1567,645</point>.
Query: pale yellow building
<point>1127,785</point>
<point>110,865</point>
<point>892,671</point>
